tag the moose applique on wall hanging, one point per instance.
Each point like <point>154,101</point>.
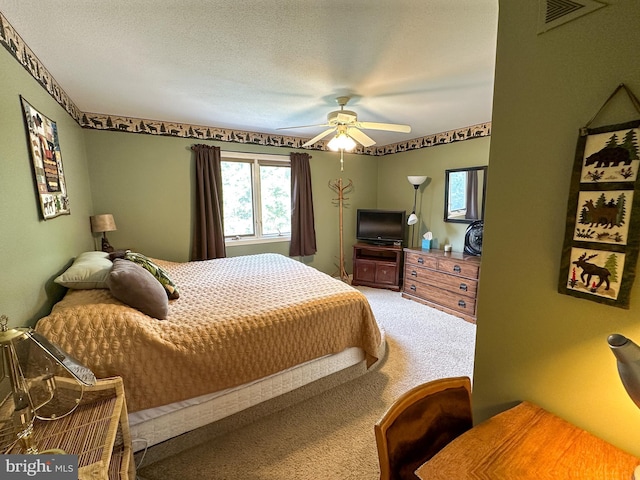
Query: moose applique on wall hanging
<point>602,233</point>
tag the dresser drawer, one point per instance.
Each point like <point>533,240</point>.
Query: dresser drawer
<point>420,260</point>
<point>447,281</point>
<point>461,286</point>
<point>456,267</point>
<point>459,303</point>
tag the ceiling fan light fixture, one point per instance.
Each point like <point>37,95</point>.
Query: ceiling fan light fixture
<point>342,141</point>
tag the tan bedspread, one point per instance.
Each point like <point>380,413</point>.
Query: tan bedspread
<point>237,319</point>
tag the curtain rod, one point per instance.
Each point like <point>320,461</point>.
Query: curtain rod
<point>193,147</point>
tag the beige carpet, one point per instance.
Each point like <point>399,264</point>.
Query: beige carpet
<point>330,436</point>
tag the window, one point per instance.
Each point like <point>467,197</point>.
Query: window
<point>256,192</point>
<point>458,194</point>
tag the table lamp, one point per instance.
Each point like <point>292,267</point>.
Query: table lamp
<point>38,380</point>
<point>102,224</point>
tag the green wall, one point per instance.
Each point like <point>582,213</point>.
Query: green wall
<point>34,251</point>
<point>395,191</point>
<point>147,183</point>
<point>532,342</point>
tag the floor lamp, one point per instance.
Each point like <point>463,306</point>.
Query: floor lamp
<point>416,181</point>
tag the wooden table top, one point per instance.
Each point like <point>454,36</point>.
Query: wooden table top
<point>527,442</point>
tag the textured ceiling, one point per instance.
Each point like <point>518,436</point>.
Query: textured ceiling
<point>262,65</point>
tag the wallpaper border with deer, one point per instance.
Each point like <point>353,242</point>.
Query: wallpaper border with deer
<point>602,235</point>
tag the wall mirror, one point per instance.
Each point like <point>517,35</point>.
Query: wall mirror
<point>464,191</point>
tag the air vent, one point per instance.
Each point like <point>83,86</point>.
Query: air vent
<point>554,13</point>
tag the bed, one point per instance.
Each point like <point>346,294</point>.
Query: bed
<point>244,329</point>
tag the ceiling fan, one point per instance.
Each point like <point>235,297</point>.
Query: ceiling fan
<point>348,128</point>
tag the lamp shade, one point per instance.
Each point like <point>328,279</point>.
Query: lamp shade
<point>103,223</point>
<point>417,180</point>
<point>627,354</point>
<point>342,141</point>
<point>412,219</point>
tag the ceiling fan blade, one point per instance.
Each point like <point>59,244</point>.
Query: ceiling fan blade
<point>360,137</point>
<point>390,127</point>
<point>318,137</point>
<point>305,126</point>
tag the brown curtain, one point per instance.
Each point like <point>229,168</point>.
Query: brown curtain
<point>208,238</point>
<point>303,232</point>
<point>472,195</point>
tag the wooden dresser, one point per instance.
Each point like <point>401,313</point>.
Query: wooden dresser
<point>447,281</point>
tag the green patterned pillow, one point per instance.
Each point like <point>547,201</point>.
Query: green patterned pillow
<point>158,272</point>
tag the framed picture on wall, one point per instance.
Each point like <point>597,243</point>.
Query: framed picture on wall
<point>602,233</point>
<point>46,160</point>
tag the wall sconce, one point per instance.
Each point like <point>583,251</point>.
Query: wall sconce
<point>102,224</point>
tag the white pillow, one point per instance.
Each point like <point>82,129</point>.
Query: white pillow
<point>89,270</point>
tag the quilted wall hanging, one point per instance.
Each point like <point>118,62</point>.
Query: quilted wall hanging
<point>46,160</point>
<point>602,233</point>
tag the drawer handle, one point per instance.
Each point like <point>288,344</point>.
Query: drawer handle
<point>420,260</point>
<point>463,287</point>
<point>457,269</point>
<point>462,304</point>
<point>414,273</point>
<point>412,287</point>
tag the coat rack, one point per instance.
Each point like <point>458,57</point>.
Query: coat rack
<point>340,189</point>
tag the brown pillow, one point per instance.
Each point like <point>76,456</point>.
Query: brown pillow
<point>132,284</point>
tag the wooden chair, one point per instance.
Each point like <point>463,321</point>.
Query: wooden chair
<point>420,423</point>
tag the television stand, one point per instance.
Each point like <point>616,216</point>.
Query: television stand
<point>377,266</point>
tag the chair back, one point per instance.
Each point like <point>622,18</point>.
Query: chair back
<point>420,423</point>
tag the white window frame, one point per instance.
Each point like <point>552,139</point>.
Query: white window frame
<point>256,160</point>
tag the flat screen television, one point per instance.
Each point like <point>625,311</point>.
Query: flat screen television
<point>381,227</point>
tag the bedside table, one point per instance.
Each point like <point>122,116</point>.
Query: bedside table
<point>97,431</point>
